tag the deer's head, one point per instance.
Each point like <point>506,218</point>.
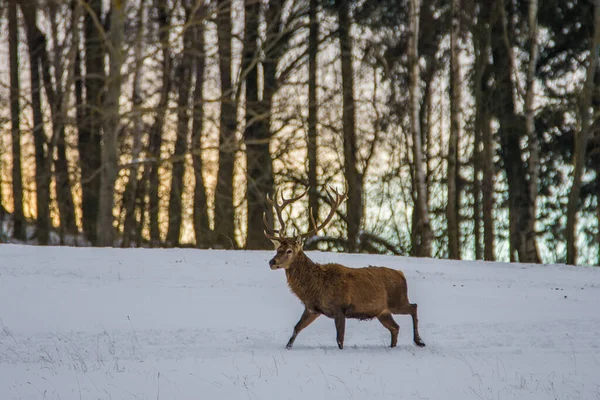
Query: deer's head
<point>288,247</point>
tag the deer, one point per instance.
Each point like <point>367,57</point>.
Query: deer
<point>334,290</point>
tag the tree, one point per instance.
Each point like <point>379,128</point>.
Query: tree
<point>353,178</point>
<point>424,236</point>
<point>200,215</point>
<point>59,98</point>
<point>483,133</point>
<point>110,160</point>
<point>152,178</point>
<point>36,45</point>
<point>522,229</point>
<point>131,195</point>
<point>224,232</point>
<point>183,82</point>
<point>313,50</point>
<point>257,135</point>
<point>90,130</point>
<point>534,146</point>
<point>15,116</point>
<point>582,137</point>
<point>455,127</point>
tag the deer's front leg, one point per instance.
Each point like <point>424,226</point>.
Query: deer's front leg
<point>340,327</point>
<point>306,319</point>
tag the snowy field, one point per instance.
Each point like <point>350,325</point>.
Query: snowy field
<point>81,323</point>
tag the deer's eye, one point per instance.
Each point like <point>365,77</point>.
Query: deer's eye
<point>289,251</point>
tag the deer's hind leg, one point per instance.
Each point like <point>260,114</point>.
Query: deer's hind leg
<point>413,314</point>
<point>411,309</point>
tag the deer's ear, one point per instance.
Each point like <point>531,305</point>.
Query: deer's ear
<point>275,243</point>
<point>299,240</point>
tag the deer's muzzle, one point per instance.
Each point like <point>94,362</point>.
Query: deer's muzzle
<point>273,264</point>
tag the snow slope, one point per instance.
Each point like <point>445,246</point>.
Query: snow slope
<point>82,323</point>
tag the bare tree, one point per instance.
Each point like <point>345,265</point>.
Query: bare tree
<point>59,99</point>
<point>91,122</point>
<point>582,138</point>
<point>482,94</point>
<point>110,159</point>
<point>522,223</point>
<point>200,215</point>
<point>224,205</point>
<point>313,50</point>
<point>42,176</point>
<point>15,115</point>
<point>152,178</point>
<point>455,127</point>
<point>130,196</point>
<point>183,82</point>
<point>352,175</point>
<point>257,135</point>
<point>534,146</point>
<point>422,224</point>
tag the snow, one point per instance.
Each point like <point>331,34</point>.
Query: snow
<point>85,323</point>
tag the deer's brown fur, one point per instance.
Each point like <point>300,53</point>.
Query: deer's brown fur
<point>340,292</point>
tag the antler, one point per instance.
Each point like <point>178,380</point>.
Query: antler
<point>270,232</point>
<point>335,204</point>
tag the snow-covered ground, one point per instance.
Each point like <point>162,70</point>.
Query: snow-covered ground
<point>82,323</point>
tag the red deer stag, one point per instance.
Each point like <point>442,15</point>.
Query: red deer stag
<point>334,290</point>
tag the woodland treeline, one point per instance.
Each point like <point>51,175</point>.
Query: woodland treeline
<point>460,128</point>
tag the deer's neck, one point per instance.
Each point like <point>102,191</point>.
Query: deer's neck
<point>303,278</point>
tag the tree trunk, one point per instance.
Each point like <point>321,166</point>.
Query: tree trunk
<point>201,226</point>
<point>130,196</point>
<point>3,212</point>
<point>277,41</point>
<point>598,218</point>
<point>481,42</point>
<point>54,102</point>
<point>90,129</point>
<point>142,190</point>
<point>110,158</point>
<point>42,175</point>
<point>224,205</point>
<point>534,146</point>
<point>522,232</point>
<point>352,175</point>
<point>425,121</point>
<point>80,110</point>
<point>313,50</point>
<point>59,98</point>
<point>15,114</point>
<point>455,118</point>
<point>422,224</point>
<point>184,77</point>
<point>477,163</point>
<point>488,188</point>
<point>259,172</point>
<point>581,140</point>
<point>477,156</point>
<point>64,195</point>
<point>155,135</point>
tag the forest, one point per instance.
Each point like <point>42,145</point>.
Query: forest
<point>461,129</point>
